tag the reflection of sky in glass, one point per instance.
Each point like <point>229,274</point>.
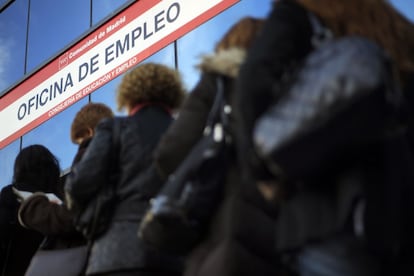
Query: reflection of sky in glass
<point>406,7</point>
<point>49,32</point>
<point>102,9</point>
<point>7,156</point>
<point>12,43</point>
<point>203,39</point>
<point>55,24</point>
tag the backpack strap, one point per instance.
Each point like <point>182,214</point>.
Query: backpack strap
<point>320,33</point>
<point>107,190</point>
<point>218,118</point>
<point>116,141</point>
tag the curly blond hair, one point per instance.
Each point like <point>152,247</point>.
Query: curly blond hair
<point>150,82</point>
<point>87,118</point>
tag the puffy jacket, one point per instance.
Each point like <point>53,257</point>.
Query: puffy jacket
<point>120,248</point>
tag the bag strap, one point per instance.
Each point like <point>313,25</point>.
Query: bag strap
<point>218,118</point>
<point>320,33</point>
<point>215,135</point>
<point>116,137</point>
<point>116,130</point>
<point>116,134</point>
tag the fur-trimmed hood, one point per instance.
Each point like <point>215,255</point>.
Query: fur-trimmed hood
<point>226,62</point>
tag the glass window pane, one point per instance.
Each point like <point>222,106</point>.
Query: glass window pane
<point>203,39</point>
<point>105,8</point>
<point>13,23</point>
<point>164,56</point>
<point>54,25</point>
<point>55,135</point>
<point>5,4</point>
<point>106,94</point>
<point>7,156</point>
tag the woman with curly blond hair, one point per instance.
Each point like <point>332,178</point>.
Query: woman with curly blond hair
<point>149,93</point>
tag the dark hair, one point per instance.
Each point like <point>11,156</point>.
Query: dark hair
<point>87,118</point>
<point>37,167</point>
<point>241,34</point>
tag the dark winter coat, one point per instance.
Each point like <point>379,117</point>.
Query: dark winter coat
<point>81,150</point>
<point>18,244</point>
<point>120,248</point>
<point>287,41</point>
<point>52,220</point>
<point>321,193</point>
<point>238,237</point>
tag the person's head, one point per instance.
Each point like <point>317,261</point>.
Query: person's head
<point>86,119</point>
<point>231,50</point>
<point>241,34</point>
<point>375,19</point>
<point>37,166</point>
<point>150,83</point>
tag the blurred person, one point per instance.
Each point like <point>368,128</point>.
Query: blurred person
<point>241,229</point>
<point>314,179</point>
<point>150,92</point>
<point>84,124</point>
<point>53,220</point>
<point>36,169</point>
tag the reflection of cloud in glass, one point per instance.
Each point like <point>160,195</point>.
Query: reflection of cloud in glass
<point>7,156</point>
<point>5,58</point>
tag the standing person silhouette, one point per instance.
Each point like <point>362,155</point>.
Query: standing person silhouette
<point>84,124</point>
<point>56,221</point>
<point>317,166</point>
<point>36,169</point>
<point>236,240</point>
<point>149,93</point>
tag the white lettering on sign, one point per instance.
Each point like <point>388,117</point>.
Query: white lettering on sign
<point>121,43</point>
